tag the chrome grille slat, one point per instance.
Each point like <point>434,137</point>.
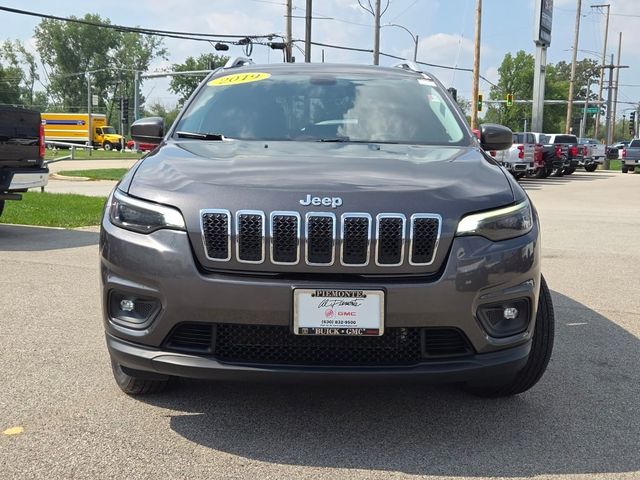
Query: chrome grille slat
<point>250,230</point>
<point>355,239</point>
<point>424,237</point>
<point>320,236</point>
<point>325,236</point>
<point>390,239</point>
<point>285,238</point>
<point>215,225</point>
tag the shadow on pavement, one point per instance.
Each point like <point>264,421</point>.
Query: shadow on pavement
<point>532,183</point>
<point>19,238</point>
<point>582,418</point>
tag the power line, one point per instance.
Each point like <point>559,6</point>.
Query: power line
<point>203,37</point>
<point>427,64</point>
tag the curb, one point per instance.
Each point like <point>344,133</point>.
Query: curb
<point>57,176</point>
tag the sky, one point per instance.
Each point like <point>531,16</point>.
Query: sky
<point>445,29</point>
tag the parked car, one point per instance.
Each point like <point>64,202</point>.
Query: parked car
<point>615,151</point>
<point>22,153</point>
<point>551,162</point>
<point>631,156</point>
<point>594,155</point>
<point>141,147</point>
<point>519,159</point>
<point>568,149</point>
<point>316,220</point>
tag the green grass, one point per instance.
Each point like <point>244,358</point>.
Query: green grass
<point>82,154</point>
<point>97,174</point>
<point>614,164</point>
<point>54,210</point>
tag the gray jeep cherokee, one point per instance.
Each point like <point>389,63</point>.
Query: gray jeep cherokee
<point>323,220</point>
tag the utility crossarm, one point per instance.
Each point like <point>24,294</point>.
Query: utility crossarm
<point>551,102</point>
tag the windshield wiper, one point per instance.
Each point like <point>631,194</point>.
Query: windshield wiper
<point>201,136</point>
<point>334,139</point>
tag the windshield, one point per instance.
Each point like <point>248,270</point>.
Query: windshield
<point>108,130</point>
<point>324,107</point>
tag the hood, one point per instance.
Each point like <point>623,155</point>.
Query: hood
<point>370,178</point>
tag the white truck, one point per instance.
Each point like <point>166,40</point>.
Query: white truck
<point>594,155</point>
<point>519,159</point>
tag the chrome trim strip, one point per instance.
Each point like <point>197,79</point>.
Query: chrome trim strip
<point>341,238</point>
<point>237,230</point>
<point>306,238</point>
<point>435,246</point>
<point>284,214</point>
<point>381,216</point>
<point>204,240</point>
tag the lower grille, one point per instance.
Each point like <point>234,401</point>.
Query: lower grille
<point>191,337</point>
<point>272,344</point>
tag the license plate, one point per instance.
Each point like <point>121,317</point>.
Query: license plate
<point>326,311</point>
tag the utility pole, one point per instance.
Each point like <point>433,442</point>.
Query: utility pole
<point>288,52</point>
<point>604,59</point>
<point>415,50</point>
<point>307,33</point>
<point>609,130</point>
<point>136,95</point>
<point>569,122</point>
<point>376,35</point>
<point>615,92</point>
<point>476,67</point>
<point>583,124</point>
<point>89,99</point>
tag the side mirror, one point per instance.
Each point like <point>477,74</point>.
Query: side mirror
<point>148,130</point>
<point>495,137</point>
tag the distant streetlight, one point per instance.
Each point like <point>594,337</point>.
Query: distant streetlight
<point>414,37</point>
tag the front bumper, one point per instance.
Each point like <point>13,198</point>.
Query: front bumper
<point>161,265</point>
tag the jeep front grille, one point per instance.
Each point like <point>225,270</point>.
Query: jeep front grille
<point>276,344</point>
<point>320,238</point>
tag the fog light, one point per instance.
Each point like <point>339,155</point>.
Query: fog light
<point>132,311</point>
<point>127,305</point>
<point>506,318</point>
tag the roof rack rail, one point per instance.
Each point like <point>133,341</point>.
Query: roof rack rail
<point>407,65</point>
<point>234,62</point>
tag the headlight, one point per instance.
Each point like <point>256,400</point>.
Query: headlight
<point>500,224</point>
<point>143,217</point>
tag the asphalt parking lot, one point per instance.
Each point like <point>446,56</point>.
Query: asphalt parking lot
<point>581,421</point>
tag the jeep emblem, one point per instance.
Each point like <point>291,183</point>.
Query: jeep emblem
<point>332,202</point>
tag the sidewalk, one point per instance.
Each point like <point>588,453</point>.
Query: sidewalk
<point>90,164</point>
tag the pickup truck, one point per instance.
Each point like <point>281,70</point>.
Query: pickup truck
<point>21,153</point>
<point>631,156</point>
<point>548,159</point>
<point>519,159</point>
<point>567,148</point>
<point>594,155</point>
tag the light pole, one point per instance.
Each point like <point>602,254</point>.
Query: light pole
<point>414,37</point>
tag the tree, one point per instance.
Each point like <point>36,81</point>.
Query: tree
<point>159,110</point>
<point>70,49</point>
<point>516,77</point>
<point>19,74</point>
<point>184,85</point>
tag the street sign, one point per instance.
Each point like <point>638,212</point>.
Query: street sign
<point>94,100</point>
<point>592,109</point>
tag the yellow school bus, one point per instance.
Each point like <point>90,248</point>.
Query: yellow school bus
<point>74,128</point>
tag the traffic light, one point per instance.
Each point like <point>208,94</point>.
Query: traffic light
<point>509,99</point>
<point>479,102</point>
<point>125,110</point>
<point>632,124</point>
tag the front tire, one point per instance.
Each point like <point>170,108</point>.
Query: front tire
<point>541,348</point>
<point>136,382</point>
<point>625,169</point>
<point>591,168</point>
<point>107,146</point>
